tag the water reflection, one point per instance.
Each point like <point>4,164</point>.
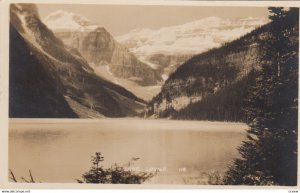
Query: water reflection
<point>61,152</point>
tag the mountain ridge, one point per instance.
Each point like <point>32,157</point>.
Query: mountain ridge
<point>219,30</point>
<point>100,48</point>
<point>181,42</point>
<point>68,82</point>
<point>209,73</point>
<point>61,20</point>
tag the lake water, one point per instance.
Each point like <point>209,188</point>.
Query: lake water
<point>185,151</point>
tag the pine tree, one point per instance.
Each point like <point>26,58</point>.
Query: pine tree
<point>114,175</point>
<point>270,154</point>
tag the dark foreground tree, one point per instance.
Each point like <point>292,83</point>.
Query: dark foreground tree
<point>269,156</point>
<point>114,175</point>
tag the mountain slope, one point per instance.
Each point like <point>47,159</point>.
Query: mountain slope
<point>27,79</point>
<point>214,85</point>
<point>181,42</point>
<point>207,81</point>
<point>48,79</point>
<point>225,104</point>
<point>99,48</point>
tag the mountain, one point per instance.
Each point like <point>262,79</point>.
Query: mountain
<point>184,41</point>
<point>189,38</point>
<point>66,21</point>
<point>213,85</point>
<point>48,79</point>
<point>100,49</point>
<point>152,55</point>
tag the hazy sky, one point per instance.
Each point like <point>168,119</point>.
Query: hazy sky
<point>120,19</point>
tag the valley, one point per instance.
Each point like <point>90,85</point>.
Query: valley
<point>162,73</point>
<point>143,59</point>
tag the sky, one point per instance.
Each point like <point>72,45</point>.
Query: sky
<point>121,19</point>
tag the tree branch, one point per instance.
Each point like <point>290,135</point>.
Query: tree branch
<point>31,178</point>
<point>12,176</point>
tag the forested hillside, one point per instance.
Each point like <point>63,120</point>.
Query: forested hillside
<point>214,85</point>
<point>226,104</point>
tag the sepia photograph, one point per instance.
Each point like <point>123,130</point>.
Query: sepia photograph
<point>153,94</point>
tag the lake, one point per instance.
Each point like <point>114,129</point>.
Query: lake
<point>60,150</point>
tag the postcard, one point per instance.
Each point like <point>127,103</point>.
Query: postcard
<point>149,94</point>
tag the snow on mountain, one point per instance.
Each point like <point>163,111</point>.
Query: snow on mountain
<point>66,21</point>
<point>108,58</point>
<point>163,50</point>
<point>190,38</point>
<point>55,81</point>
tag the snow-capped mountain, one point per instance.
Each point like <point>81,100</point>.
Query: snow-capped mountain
<point>167,48</point>
<point>100,49</point>
<point>215,84</point>
<point>145,57</point>
<point>67,21</point>
<point>49,79</point>
<point>190,38</point>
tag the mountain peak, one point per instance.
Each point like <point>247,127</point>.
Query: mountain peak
<point>67,21</point>
<point>100,29</point>
<point>25,8</point>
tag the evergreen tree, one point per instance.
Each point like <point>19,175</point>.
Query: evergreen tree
<point>270,154</point>
<point>114,175</point>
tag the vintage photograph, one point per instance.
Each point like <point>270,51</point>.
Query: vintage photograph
<point>153,94</point>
